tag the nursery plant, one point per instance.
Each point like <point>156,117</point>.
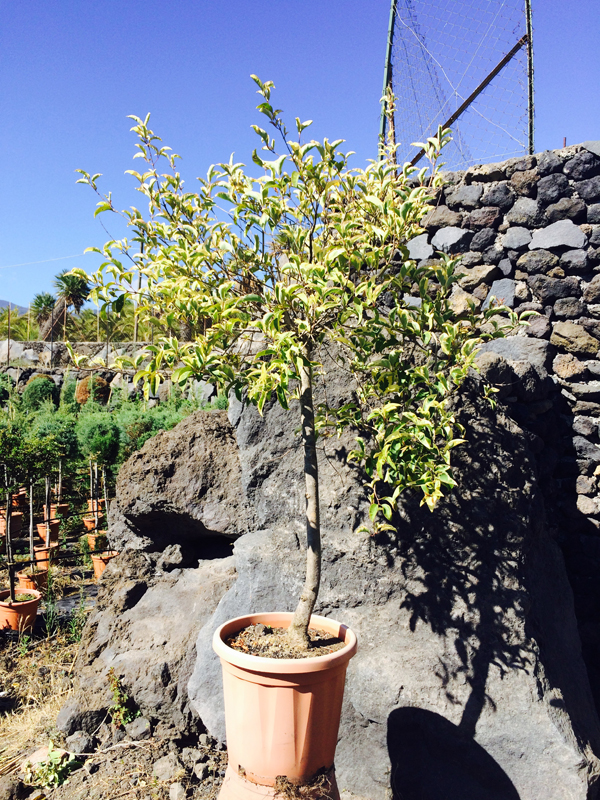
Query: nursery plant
<point>273,267</point>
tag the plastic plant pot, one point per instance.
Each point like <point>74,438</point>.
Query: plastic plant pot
<point>282,715</point>
<point>100,561</point>
<point>18,616</point>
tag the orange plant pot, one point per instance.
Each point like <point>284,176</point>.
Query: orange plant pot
<point>282,715</point>
<point>100,562</point>
<point>16,522</point>
<point>54,526</point>
<point>89,523</point>
<point>18,616</point>
<point>99,503</point>
<point>19,499</point>
<point>56,510</point>
<point>36,580</point>
<point>44,556</point>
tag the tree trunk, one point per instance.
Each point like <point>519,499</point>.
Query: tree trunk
<point>9,550</point>
<point>47,515</point>
<point>105,492</point>
<point>31,541</point>
<point>298,630</point>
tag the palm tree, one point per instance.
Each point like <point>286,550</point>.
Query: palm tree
<point>42,306</point>
<point>73,290</point>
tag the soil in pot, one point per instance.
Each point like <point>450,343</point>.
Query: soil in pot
<point>100,561</point>
<point>20,615</point>
<point>262,640</point>
<point>33,579</point>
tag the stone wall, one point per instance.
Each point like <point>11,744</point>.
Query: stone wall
<point>528,231</point>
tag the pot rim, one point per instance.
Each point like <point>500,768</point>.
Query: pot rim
<point>283,665</point>
<point>5,592</point>
<point>105,554</point>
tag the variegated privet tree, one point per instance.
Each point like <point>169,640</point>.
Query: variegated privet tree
<point>264,269</point>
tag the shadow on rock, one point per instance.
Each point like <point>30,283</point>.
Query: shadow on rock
<point>431,758</point>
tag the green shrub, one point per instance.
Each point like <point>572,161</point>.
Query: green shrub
<point>67,395</point>
<point>61,427</point>
<point>39,389</point>
<point>98,437</point>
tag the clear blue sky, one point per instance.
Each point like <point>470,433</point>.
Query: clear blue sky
<point>71,72</point>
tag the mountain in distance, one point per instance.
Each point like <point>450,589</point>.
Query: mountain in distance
<point>14,307</point>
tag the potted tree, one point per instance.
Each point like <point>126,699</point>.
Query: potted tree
<point>38,454</point>
<point>99,439</point>
<point>61,427</point>
<point>314,257</point>
<point>18,608</point>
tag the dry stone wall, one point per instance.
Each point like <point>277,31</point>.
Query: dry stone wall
<point>528,232</point>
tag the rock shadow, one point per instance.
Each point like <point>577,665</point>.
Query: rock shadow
<point>465,563</point>
<point>431,758</point>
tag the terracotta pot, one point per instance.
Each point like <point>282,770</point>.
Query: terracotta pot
<point>97,540</point>
<point>19,499</point>
<point>18,616</point>
<point>54,526</point>
<point>282,715</point>
<point>36,580</point>
<point>62,509</point>
<point>45,555</point>
<point>89,523</point>
<point>100,561</point>
<point>16,522</point>
<point>100,504</point>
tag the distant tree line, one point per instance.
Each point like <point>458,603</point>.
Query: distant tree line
<point>64,316</point>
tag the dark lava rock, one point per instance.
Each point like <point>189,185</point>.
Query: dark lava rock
<point>551,188</point>
<point>499,194</point>
<point>487,217</point>
<point>589,190</point>
<point>441,217</point>
<point>583,165</point>
<point>483,239</point>
<point>79,742</point>
<point>548,162</point>
<point>464,196</point>
<point>593,214</point>
<point>547,290</point>
<point>574,261</point>
<point>569,307</point>
<point>567,208</point>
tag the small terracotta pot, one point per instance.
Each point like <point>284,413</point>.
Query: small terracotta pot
<point>18,616</point>
<point>89,523</point>
<point>56,510</point>
<point>97,540</point>
<point>100,504</point>
<point>35,580</point>
<point>54,526</point>
<point>44,556</point>
<point>100,561</point>
<point>282,715</point>
<point>16,522</point>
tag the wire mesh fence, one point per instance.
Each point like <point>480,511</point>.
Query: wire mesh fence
<point>441,53</point>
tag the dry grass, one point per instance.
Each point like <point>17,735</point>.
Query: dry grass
<point>22,730</point>
<point>36,676</point>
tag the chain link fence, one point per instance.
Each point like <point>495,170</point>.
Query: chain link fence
<point>441,53</point>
